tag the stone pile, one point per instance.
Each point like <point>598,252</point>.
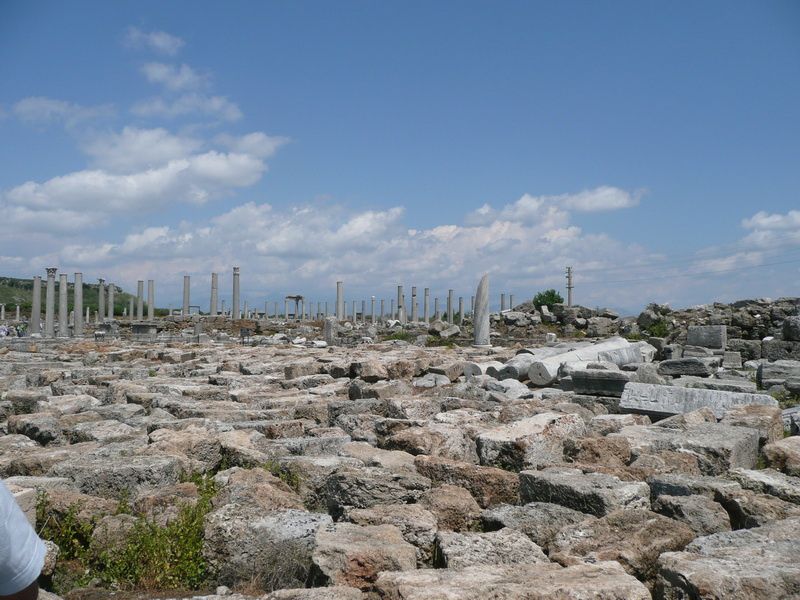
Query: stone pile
<point>366,469</point>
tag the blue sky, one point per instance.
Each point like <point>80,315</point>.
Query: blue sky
<point>415,143</point>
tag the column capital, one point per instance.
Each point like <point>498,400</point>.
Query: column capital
<point>235,270</point>
<point>51,271</point>
<point>101,280</point>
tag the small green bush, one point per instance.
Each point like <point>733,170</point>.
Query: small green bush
<point>403,336</point>
<point>285,474</point>
<point>433,340</point>
<point>658,329</point>
<point>547,298</point>
<point>786,399</point>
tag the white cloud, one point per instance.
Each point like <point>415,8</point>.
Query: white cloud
<point>602,198</point>
<point>772,222</point>
<point>256,144</point>
<point>157,41</point>
<point>189,104</point>
<point>41,110</point>
<point>174,78</point>
<point>195,180</point>
<point>134,149</point>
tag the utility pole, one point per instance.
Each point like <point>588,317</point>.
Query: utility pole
<point>569,286</point>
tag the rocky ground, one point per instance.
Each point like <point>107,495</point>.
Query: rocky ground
<point>189,464</point>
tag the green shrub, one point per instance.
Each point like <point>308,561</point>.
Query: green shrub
<point>547,298</point>
<point>658,329</point>
<point>786,399</point>
<point>286,474</point>
<point>433,340</point>
<point>153,557</point>
<point>403,336</point>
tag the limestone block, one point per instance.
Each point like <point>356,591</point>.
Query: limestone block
<point>708,336</point>
<point>489,486</point>
<point>661,400</point>
<point>540,521</point>
<point>502,547</point>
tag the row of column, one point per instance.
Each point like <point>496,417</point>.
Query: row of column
<point>105,304</point>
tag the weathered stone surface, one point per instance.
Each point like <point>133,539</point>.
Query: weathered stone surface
<point>353,555</point>
<point>700,513</point>
<point>454,507</point>
<point>784,455</point>
<point>334,592</point>
<point>764,419</point>
<point>769,481</point>
<point>661,400</point>
<point>686,366</point>
<point>780,350</point>
<point>540,521</point>
<point>791,329</point>
<point>776,373</point>
<point>488,485</point>
<point>708,336</point>
<point>748,564</point>
<point>634,538</point>
<point>503,547</point>
<point>598,382</point>
<point>718,448</point>
<point>593,493</point>
<point>368,486</point>
<point>543,581</point>
<point>243,544</point>
<point>534,441</point>
<point>417,525</point>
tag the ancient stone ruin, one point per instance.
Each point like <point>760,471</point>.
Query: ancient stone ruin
<point>535,452</point>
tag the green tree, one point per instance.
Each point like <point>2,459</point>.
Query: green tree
<point>547,298</point>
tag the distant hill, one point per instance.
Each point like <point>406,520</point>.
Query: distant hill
<point>20,291</point>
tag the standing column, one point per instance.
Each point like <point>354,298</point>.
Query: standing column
<point>480,321</point>
<point>326,309</point>
<point>450,306</point>
<point>340,316</point>
<point>235,309</point>
<point>36,305</point>
<point>511,301</point>
<point>87,316</point>
<point>400,307</point>
<point>130,312</point>
<point>244,312</point>
<point>101,300</point>
<point>436,315</point>
<point>186,284</point>
<point>286,309</point>
<point>18,316</point>
<point>383,309</point>
<point>151,299</point>
<point>460,310</point>
<point>363,311</point>
<point>2,312</point>
<point>414,315</point>
<point>214,294</point>
<point>63,304</point>
<point>372,310</point>
<point>391,309</point>
<point>140,300</point>
<point>426,308</point>
<point>502,302</point>
<point>110,304</point>
<point>77,308</point>
<point>49,303</point>
<point>354,312</point>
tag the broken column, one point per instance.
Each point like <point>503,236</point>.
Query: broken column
<point>78,305</point>
<point>450,306</point>
<point>185,307</point>
<point>101,300</point>
<point>340,316</point>
<point>481,317</point>
<point>36,305</point>
<point>544,372</point>
<point>151,299</point>
<point>665,400</point>
<point>110,303</point>
<point>214,293</point>
<point>140,300</point>
<point>235,312</point>
<point>49,304</point>
<point>63,303</point>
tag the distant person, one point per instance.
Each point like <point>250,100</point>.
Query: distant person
<point>21,551</point>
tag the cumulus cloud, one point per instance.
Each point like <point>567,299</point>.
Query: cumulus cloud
<point>256,144</point>
<point>218,107</point>
<point>553,211</point>
<point>174,78</point>
<point>156,41</point>
<point>40,110</point>
<point>134,149</point>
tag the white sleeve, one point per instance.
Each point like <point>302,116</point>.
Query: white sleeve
<point>21,550</point>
